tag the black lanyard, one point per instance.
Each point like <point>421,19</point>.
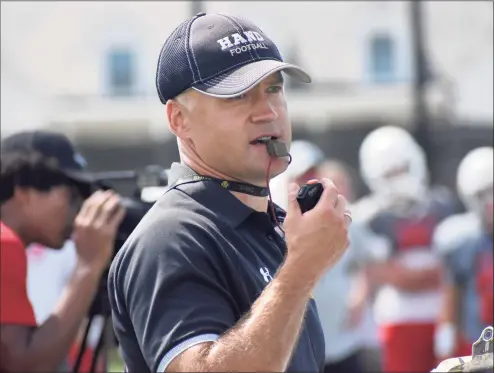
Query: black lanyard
<point>233,186</point>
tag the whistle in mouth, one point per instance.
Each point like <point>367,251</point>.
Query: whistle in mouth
<point>277,148</point>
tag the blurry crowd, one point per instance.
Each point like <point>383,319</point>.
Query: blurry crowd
<point>415,286</point>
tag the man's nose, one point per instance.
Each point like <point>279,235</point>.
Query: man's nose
<point>263,111</point>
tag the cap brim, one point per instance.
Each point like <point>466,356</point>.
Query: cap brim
<point>241,80</point>
<point>83,180</point>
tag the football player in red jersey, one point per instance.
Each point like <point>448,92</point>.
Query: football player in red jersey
<point>465,243</point>
<point>404,211</point>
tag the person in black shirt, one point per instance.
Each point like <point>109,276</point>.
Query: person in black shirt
<point>216,278</point>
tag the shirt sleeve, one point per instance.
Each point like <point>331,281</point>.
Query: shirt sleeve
<point>16,307</point>
<point>366,246</point>
<point>173,290</point>
<point>449,238</point>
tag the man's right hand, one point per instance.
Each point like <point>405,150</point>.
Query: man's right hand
<point>95,228</point>
<point>317,239</point>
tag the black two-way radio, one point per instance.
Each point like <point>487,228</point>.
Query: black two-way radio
<point>309,195</point>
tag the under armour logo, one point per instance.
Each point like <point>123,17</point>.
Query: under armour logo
<point>266,274</point>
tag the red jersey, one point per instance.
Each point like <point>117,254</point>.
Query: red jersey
<point>15,307</point>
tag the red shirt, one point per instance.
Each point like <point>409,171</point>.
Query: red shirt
<point>15,307</point>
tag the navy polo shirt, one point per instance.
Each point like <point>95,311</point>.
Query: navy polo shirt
<point>191,270</point>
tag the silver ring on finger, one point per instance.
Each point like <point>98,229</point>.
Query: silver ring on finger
<point>349,216</point>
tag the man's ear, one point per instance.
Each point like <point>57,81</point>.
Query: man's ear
<point>178,122</point>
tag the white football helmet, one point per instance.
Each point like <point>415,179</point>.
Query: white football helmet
<point>393,165</point>
<point>305,155</point>
<point>475,178</point>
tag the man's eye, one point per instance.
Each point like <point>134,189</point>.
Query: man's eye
<point>275,89</point>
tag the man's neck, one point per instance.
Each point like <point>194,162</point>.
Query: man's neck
<point>256,203</point>
<point>11,219</point>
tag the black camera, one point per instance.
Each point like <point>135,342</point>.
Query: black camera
<point>136,206</point>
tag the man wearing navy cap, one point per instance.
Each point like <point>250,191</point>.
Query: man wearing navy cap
<point>208,281</point>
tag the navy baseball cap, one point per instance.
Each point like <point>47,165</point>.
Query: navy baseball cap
<point>219,55</point>
<point>55,146</point>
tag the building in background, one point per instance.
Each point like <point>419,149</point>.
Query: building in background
<point>88,68</point>
<point>23,106</point>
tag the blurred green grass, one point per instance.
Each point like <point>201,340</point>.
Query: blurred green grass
<point>115,363</point>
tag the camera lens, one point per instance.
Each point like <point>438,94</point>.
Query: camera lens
<point>487,335</point>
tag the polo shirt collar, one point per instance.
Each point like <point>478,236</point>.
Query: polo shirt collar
<point>211,195</point>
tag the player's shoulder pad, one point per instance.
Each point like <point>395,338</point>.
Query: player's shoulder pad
<point>453,231</point>
<point>366,208</point>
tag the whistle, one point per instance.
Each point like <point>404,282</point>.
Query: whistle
<point>277,148</point>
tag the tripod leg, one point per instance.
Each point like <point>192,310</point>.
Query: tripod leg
<point>82,347</point>
<point>100,345</point>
